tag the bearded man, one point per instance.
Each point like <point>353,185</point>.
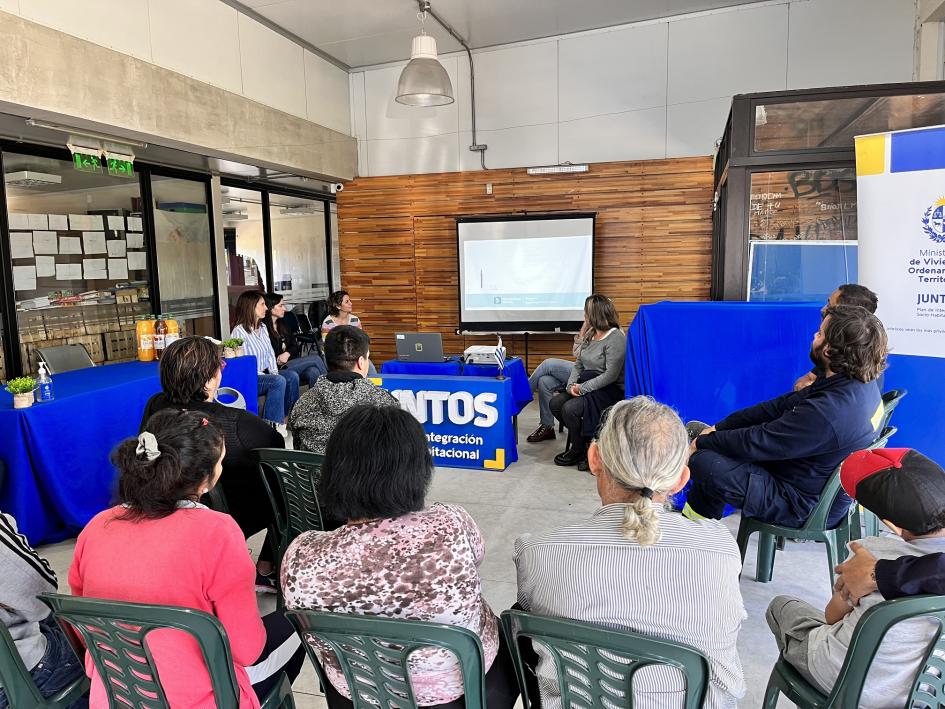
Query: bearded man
<point>772,460</point>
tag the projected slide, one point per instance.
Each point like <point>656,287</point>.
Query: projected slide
<point>526,274</point>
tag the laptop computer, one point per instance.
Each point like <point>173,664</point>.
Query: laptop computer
<point>419,346</point>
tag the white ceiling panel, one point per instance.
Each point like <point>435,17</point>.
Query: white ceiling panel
<point>365,32</point>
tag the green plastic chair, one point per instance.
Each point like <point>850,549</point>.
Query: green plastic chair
<point>596,665</point>
<point>114,633</point>
<point>19,687</point>
<point>373,654</point>
<point>291,481</point>
<point>928,689</point>
<point>815,528</point>
<point>891,400</point>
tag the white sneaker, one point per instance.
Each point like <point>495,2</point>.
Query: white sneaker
<point>282,429</point>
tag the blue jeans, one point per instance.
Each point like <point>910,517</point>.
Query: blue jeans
<point>309,368</point>
<point>550,375</point>
<point>282,391</point>
<point>59,665</point>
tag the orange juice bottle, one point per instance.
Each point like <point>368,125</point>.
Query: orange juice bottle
<point>160,333</point>
<point>173,330</point>
<point>144,332</point>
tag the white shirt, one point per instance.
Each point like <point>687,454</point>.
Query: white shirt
<point>258,343</point>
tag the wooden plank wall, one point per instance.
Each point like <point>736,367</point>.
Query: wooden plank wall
<point>398,241</point>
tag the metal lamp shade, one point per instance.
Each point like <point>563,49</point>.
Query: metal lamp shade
<point>424,81</point>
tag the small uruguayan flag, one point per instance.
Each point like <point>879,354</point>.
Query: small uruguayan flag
<point>500,356</point>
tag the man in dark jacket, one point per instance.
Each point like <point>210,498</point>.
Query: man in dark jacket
<point>772,460</point>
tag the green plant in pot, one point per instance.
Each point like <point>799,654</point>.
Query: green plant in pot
<point>22,389</point>
<point>233,347</point>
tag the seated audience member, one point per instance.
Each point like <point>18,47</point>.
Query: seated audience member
<point>191,370</point>
<point>595,382</point>
<point>847,294</point>
<point>888,482</point>
<point>396,557</point>
<point>548,378</point>
<point>281,387</point>
<point>636,565</point>
<point>287,349</point>
<point>340,312</point>
<point>347,350</point>
<point>43,647</point>
<point>160,545</point>
<point>772,460</point>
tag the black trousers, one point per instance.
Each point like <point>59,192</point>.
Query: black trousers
<point>283,652</point>
<point>569,410</point>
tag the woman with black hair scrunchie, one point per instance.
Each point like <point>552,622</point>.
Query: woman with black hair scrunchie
<point>160,545</point>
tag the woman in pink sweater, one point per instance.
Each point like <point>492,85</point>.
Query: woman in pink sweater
<point>160,545</point>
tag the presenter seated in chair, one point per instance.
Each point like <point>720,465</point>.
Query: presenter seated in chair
<point>772,460</point>
<point>595,382</point>
<point>160,545</point>
<point>287,349</point>
<point>347,350</point>
<point>907,491</point>
<point>191,370</point>
<point>396,557</point>
<point>847,294</point>
<point>607,569</point>
<point>43,647</point>
<point>550,377</point>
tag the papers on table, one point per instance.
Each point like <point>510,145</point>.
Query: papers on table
<point>38,221</point>
<point>45,266</point>
<point>116,223</point>
<point>118,268</point>
<point>70,245</point>
<point>134,224</point>
<point>68,272</point>
<point>94,269</point>
<point>116,247</point>
<point>135,241</point>
<point>59,222</point>
<point>24,277</point>
<point>93,242</point>
<point>86,222</point>
<point>21,244</point>
<point>137,260</point>
<point>45,242</point>
<point>18,220</point>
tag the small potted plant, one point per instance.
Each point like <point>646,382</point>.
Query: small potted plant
<point>232,348</point>
<point>22,389</point>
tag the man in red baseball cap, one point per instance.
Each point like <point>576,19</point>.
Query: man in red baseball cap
<point>907,491</point>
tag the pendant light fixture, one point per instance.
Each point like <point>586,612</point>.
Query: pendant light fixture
<point>424,81</point>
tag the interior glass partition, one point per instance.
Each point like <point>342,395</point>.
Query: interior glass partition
<point>299,259</point>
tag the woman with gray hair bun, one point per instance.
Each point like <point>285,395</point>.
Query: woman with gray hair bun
<point>636,564</point>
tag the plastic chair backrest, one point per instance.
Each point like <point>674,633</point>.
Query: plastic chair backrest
<point>891,400</point>
<point>373,653</point>
<point>317,312</point>
<point>238,401</point>
<point>818,517</point>
<point>929,685</point>
<point>65,358</point>
<point>18,684</point>
<point>294,502</point>
<point>596,665</point>
<point>291,322</point>
<point>114,633</point>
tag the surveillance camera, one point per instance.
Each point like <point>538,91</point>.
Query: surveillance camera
<point>337,187</point>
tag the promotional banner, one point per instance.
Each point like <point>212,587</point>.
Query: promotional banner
<point>901,216</point>
<point>468,420</point>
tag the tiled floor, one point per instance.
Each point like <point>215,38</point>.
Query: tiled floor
<point>534,495</point>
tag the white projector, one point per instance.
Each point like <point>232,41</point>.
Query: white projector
<point>479,354</point>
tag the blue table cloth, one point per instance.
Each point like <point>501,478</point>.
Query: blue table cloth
<point>514,370</point>
<point>709,359</point>
<point>57,453</point>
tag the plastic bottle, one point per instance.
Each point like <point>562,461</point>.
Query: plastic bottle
<point>160,337</point>
<point>44,386</point>
<point>173,330</point>
<point>144,331</point>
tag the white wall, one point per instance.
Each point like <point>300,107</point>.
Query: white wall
<point>650,90</point>
<point>209,41</point>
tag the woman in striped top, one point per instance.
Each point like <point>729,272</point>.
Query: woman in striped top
<point>280,387</point>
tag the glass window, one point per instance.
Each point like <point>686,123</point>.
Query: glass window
<point>335,247</point>
<point>299,263</point>
<point>184,252</point>
<point>806,205</point>
<point>800,270</point>
<point>79,265</point>
<point>243,240</point>
<point>807,125</point>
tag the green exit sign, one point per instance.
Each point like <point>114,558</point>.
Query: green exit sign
<point>120,168</point>
<point>86,163</point>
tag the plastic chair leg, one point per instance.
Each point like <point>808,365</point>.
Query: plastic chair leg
<point>765,564</point>
<point>872,523</point>
<point>772,692</point>
<point>744,533</point>
<point>833,553</point>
